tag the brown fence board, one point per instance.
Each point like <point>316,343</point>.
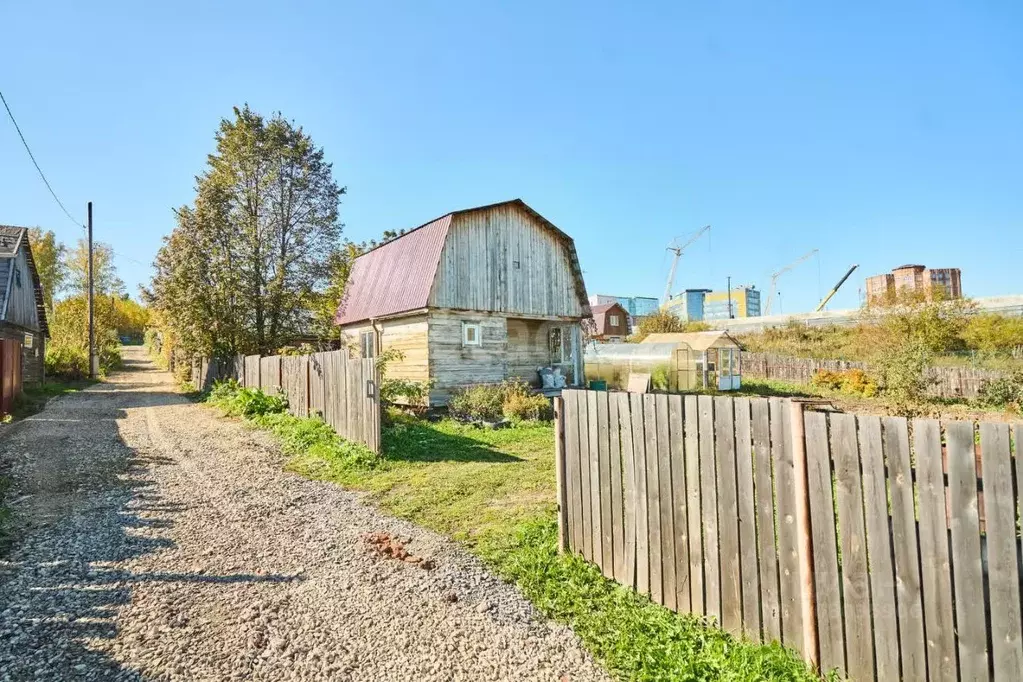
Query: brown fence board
<point>767,548</point>
<point>749,572</point>
<point>270,374</point>
<point>905,544</point>
<point>617,486</point>
<point>728,516</point>
<point>680,522</point>
<point>859,638</point>
<point>570,409</point>
<point>593,462</point>
<point>582,412</point>
<point>653,498</point>
<point>788,540</point>
<point>830,630</point>
<point>879,549</point>
<point>251,378</point>
<point>642,508</point>
<point>935,575</point>
<point>604,465</point>
<point>666,508</point>
<point>316,385</point>
<point>1002,560</point>
<point>629,503</point>
<point>968,576</point>
<point>695,519</point>
<point>709,509</point>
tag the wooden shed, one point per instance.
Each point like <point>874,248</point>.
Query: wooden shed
<point>476,296</point>
<point>23,328</point>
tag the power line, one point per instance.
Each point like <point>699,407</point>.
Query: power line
<point>36,163</point>
<point>133,260</point>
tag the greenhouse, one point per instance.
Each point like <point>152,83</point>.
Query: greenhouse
<point>674,362</point>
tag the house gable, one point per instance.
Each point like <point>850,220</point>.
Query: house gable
<point>21,295</point>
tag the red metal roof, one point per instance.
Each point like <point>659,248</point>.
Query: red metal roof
<point>394,277</point>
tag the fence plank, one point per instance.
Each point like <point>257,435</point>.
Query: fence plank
<point>582,412</point>
<point>653,498</point>
<point>709,509</point>
<point>1002,561</point>
<point>749,572</point>
<point>728,515</point>
<point>316,386</point>
<point>593,461</point>
<point>968,576</point>
<point>666,504</point>
<point>905,544</point>
<point>859,641</point>
<point>615,455</point>
<point>694,513</point>
<point>570,411</point>
<point>767,554</point>
<point>680,522</point>
<point>879,550</point>
<point>629,477</point>
<point>935,576</point>
<point>788,540</point>
<point>830,634</point>
<point>642,508</point>
<point>604,464</point>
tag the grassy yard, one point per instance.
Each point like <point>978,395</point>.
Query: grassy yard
<point>494,492</point>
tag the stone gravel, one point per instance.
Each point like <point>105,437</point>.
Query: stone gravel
<point>157,541</point>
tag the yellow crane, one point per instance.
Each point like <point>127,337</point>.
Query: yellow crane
<point>779,273</point>
<point>834,289</point>
<point>677,250</point>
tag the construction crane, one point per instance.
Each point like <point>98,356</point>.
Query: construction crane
<point>677,250</point>
<point>834,289</point>
<point>776,275</point>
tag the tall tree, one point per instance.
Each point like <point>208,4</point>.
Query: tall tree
<point>48,255</point>
<point>238,272</point>
<point>104,272</point>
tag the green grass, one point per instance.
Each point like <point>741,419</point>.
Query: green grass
<point>494,491</point>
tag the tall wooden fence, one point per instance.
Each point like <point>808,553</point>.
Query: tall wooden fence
<point>945,382</point>
<point>344,392</point>
<point>856,540</point>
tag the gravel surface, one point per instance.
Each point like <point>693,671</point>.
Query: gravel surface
<point>160,542</point>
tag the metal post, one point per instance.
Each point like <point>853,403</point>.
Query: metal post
<point>92,328</point>
<point>730,316</point>
<point>806,568</point>
<point>559,472</point>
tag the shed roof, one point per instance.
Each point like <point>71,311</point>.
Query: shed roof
<point>12,239</point>
<point>397,276</point>
<point>601,311</point>
<point>695,340</point>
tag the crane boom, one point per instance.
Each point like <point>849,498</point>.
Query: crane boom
<point>834,289</point>
<point>779,273</point>
<point>677,250</point>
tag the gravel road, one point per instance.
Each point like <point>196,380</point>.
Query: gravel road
<point>158,541</point>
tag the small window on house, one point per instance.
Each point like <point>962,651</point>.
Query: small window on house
<point>614,320</point>
<point>369,344</point>
<point>515,264</point>
<point>470,333</point>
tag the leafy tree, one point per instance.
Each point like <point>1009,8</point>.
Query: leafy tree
<point>105,281</point>
<point>990,333</point>
<point>67,353</point>
<point>49,255</point>
<point>664,322</point>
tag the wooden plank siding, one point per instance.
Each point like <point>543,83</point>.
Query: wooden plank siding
<point>906,585</point>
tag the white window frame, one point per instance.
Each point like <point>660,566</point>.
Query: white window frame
<point>614,320</point>
<point>368,344</point>
<point>477,333</point>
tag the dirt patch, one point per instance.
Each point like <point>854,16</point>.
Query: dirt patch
<point>392,548</point>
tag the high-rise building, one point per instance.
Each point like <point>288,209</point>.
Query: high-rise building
<point>915,279</point>
<point>694,305</point>
<point>687,306</point>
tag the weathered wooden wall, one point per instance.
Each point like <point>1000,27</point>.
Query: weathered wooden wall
<point>21,293</point>
<point>506,260</point>
<point>946,382</point>
<point>407,335</point>
<point>694,501</point>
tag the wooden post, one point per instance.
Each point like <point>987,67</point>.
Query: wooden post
<point>559,469</point>
<point>803,530</point>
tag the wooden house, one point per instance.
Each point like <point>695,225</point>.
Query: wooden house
<point>610,323</point>
<point>23,328</point>
<point>476,296</point>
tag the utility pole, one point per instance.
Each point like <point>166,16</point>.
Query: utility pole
<point>730,316</point>
<point>92,328</point>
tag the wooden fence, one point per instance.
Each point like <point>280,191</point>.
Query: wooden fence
<point>945,382</point>
<point>344,392</point>
<point>856,540</point>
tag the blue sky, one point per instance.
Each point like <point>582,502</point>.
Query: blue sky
<point>878,132</point>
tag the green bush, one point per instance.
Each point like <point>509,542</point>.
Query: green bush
<point>1003,391</point>
<point>245,402</point>
<point>67,362</point>
<point>533,407</point>
<point>849,381</point>
<point>491,402</point>
<point>405,391</point>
